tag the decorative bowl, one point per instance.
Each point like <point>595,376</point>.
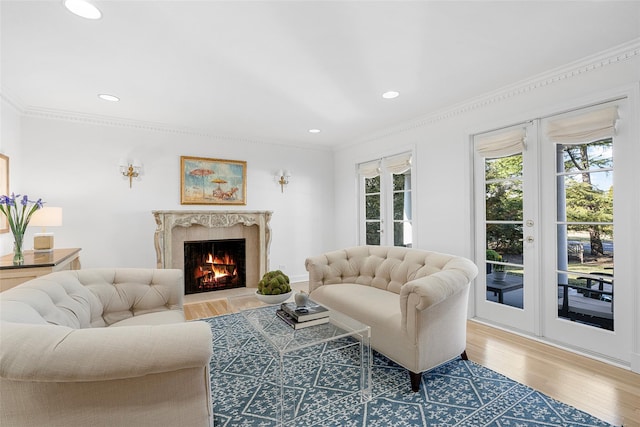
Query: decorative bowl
<point>274,299</point>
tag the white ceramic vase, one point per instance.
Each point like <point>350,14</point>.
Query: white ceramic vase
<point>301,299</point>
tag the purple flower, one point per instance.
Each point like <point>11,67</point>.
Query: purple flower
<point>18,216</point>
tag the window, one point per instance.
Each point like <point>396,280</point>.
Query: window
<point>386,201</point>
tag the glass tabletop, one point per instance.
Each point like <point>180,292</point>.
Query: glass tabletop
<point>285,339</point>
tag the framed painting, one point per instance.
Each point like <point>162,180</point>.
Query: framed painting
<point>206,181</point>
<point>4,189</point>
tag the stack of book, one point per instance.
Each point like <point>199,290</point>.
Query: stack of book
<point>302,317</point>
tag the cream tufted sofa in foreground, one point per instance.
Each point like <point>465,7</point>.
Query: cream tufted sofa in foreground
<point>415,301</point>
<point>102,347</point>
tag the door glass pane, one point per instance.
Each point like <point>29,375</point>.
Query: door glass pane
<point>503,178</point>
<point>402,227</point>
<point>372,210</point>
<point>372,206</point>
<point>585,233</point>
<point>401,206</point>
<point>588,157</point>
<point>373,232</point>
<point>372,197</point>
<point>503,167</point>
<point>402,234</point>
<point>504,200</point>
<point>372,185</point>
<point>402,181</point>
<point>504,217</point>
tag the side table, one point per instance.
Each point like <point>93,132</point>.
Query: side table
<point>36,264</point>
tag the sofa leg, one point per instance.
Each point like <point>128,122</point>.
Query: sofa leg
<point>416,379</point>
<point>464,355</point>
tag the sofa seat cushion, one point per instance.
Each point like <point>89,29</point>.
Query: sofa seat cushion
<point>157,318</point>
<point>378,308</point>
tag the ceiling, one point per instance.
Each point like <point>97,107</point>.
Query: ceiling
<point>271,70</point>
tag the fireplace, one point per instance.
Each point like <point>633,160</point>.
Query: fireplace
<point>213,265</point>
<point>174,228</point>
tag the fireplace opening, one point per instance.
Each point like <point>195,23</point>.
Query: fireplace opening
<point>212,265</point>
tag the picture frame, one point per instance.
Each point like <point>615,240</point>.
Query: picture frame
<point>205,181</point>
<point>4,189</point>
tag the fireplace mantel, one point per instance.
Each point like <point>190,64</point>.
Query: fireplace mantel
<point>170,222</point>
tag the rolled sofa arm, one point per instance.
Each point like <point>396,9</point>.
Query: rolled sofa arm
<point>429,291</point>
<point>61,354</point>
<point>432,289</point>
<point>454,277</point>
<point>316,266</point>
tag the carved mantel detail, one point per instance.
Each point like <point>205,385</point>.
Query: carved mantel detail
<point>167,221</point>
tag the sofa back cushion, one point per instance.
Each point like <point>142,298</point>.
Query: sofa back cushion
<point>383,267</point>
<point>57,299</point>
<point>128,292</point>
<point>92,297</point>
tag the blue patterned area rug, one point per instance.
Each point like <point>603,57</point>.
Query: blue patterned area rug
<point>458,393</point>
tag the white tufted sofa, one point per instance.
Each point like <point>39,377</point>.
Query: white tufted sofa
<point>102,347</point>
<point>415,301</point>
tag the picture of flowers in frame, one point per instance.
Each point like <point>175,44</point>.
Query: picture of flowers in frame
<point>206,181</point>
<point>4,189</point>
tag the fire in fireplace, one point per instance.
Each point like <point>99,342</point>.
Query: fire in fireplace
<point>212,265</point>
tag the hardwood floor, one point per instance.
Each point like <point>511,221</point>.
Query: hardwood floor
<point>604,391</point>
<point>205,309</point>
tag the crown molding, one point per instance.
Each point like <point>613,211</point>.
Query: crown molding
<point>613,56</point>
<point>12,102</point>
<point>94,119</point>
<point>616,55</point>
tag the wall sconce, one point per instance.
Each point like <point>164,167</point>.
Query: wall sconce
<point>282,178</point>
<point>45,217</point>
<point>131,169</point>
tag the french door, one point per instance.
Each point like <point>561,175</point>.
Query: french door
<point>386,189</point>
<point>585,156</point>
<point>507,226</point>
<point>546,229</point>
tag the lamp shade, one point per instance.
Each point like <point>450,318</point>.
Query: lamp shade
<point>47,217</point>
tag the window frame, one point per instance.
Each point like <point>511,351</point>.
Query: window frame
<point>385,168</point>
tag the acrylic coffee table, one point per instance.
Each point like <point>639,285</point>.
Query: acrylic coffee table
<point>332,359</point>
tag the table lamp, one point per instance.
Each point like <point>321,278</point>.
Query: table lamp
<point>45,217</point>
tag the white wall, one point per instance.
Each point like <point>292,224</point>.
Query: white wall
<point>443,157</point>
<point>10,146</point>
<point>443,165</point>
<point>74,165</point>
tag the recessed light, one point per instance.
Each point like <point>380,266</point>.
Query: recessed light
<point>107,97</point>
<point>390,94</point>
<point>83,8</point>
<point>314,130</point>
